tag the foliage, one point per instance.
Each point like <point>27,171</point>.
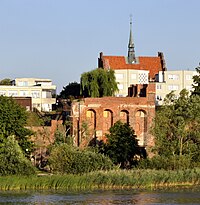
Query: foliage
<point>196,82</point>
<point>71,91</point>
<point>70,160</point>
<point>173,162</point>
<point>98,83</point>
<point>121,145</point>
<point>103,180</point>
<point>176,127</point>
<point>5,81</point>
<point>12,160</point>
<point>34,120</point>
<point>12,122</point>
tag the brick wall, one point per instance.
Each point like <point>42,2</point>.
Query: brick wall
<point>92,117</point>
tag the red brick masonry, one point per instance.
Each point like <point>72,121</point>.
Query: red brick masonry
<point>92,117</point>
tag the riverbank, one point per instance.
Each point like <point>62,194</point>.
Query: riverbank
<point>114,179</point>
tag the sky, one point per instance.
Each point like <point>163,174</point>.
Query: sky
<point>61,39</point>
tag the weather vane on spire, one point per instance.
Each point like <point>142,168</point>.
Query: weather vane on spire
<point>131,18</point>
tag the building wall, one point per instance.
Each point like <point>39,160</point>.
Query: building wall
<point>176,81</point>
<point>40,90</point>
<point>127,77</point>
<point>92,117</point>
<point>25,102</point>
<point>43,137</point>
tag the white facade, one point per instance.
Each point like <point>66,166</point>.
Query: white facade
<point>42,91</point>
<point>175,80</point>
<point>127,77</point>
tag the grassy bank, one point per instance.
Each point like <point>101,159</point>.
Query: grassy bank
<point>117,179</point>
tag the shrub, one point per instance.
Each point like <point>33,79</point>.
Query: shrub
<point>70,160</point>
<point>12,160</point>
<point>168,163</point>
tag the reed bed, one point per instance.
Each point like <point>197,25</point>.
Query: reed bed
<point>113,179</point>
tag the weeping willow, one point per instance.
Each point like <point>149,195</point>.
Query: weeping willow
<point>98,83</point>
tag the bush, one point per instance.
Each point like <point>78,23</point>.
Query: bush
<point>70,160</point>
<point>168,163</point>
<point>12,160</point>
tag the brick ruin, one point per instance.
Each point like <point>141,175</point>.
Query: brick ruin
<point>92,117</point>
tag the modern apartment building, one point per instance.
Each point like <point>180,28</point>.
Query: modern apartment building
<point>173,80</point>
<point>42,91</point>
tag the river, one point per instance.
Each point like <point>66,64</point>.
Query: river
<point>125,197</point>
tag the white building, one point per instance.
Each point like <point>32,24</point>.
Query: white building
<point>173,80</point>
<point>127,77</point>
<point>42,91</point>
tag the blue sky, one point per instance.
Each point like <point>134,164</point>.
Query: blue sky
<point>61,39</point>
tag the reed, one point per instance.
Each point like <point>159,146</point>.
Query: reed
<point>113,179</point>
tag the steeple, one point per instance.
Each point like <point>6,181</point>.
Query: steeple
<point>131,50</point>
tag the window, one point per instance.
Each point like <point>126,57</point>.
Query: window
<point>189,87</point>
<point>23,93</point>
<point>13,93</point>
<point>188,77</point>
<point>35,94</point>
<point>133,76</point>
<point>158,87</point>
<point>3,92</point>
<point>173,77</point>
<point>119,76</point>
<point>36,105</point>
<point>120,86</point>
<point>173,87</point>
<point>23,83</point>
<point>143,78</point>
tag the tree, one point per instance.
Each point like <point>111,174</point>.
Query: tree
<point>5,81</point>
<point>12,160</point>
<point>196,82</point>
<point>121,145</point>
<point>98,83</point>
<point>177,126</point>
<point>12,122</point>
<point>71,91</point>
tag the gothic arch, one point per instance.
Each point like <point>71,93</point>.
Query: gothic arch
<point>91,118</point>
<point>107,119</point>
<point>141,126</point>
<point>124,116</point>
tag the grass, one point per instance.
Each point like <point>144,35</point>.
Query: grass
<point>115,179</point>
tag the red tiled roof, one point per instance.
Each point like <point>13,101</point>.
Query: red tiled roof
<point>153,64</point>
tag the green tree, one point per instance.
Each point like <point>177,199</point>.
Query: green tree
<point>98,83</point>
<point>5,81</point>
<point>121,145</point>
<point>176,126</point>
<point>12,160</point>
<point>12,122</point>
<point>196,82</point>
<point>71,91</point>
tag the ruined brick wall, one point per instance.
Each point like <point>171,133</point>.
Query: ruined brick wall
<point>43,137</point>
<point>92,117</point>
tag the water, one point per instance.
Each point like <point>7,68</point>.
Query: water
<point>125,197</point>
